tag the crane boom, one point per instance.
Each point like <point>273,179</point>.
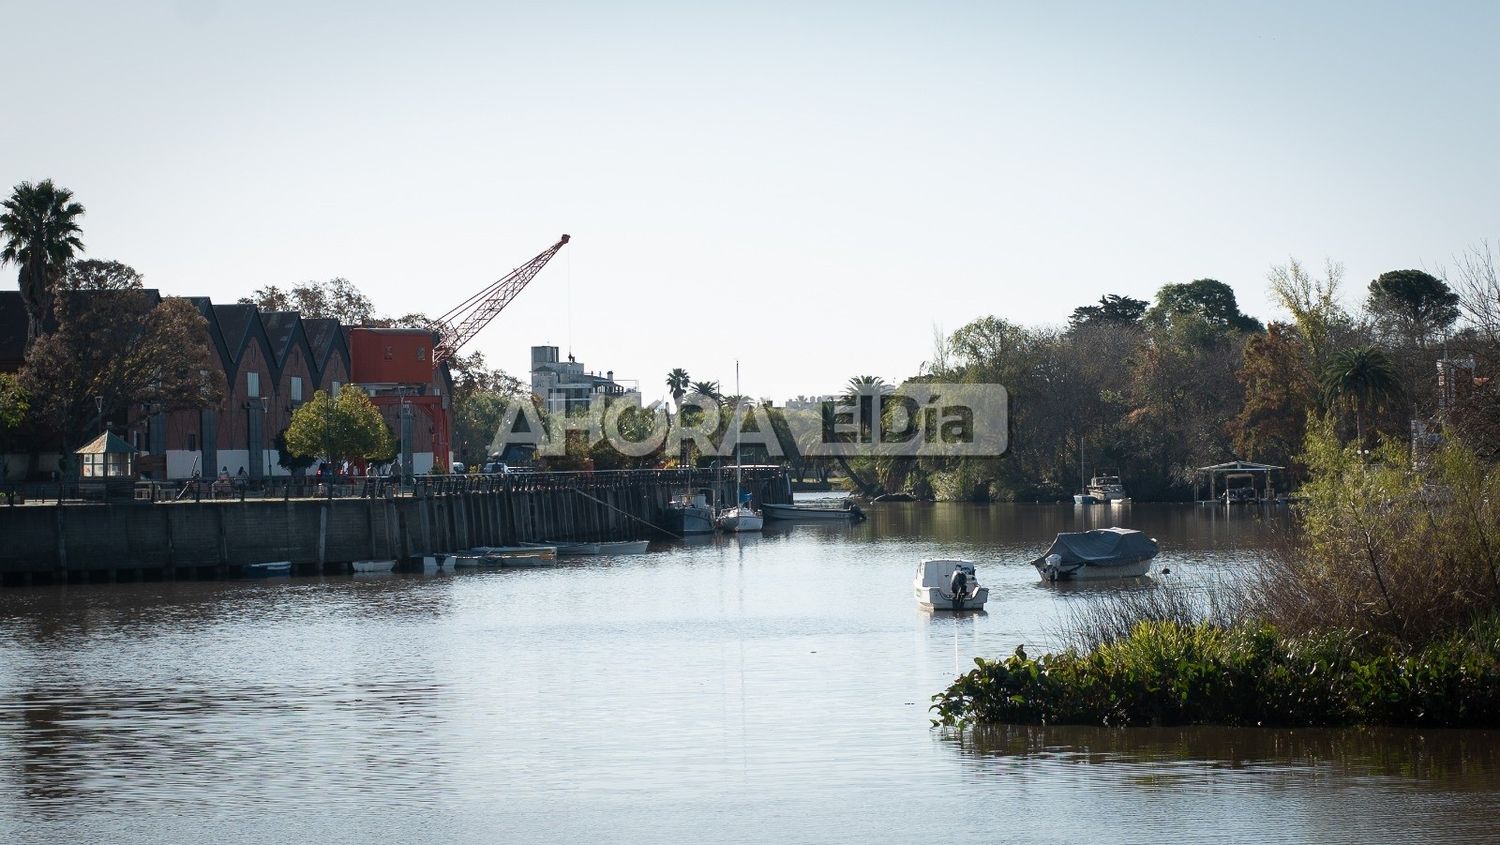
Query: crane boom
<point>459,326</point>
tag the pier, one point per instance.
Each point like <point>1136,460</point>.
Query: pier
<point>149,540</point>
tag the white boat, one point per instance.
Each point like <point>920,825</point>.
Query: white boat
<point>608,547</point>
<point>936,581</point>
<point>739,519</point>
<point>742,517</point>
<point>530,554</point>
<point>262,570</point>
<point>1100,553</point>
<point>1084,499</point>
<point>844,511</point>
<point>373,565</point>
<point>1106,488</point>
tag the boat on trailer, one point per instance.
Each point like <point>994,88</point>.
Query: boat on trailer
<point>948,584</point>
<point>1100,553</point>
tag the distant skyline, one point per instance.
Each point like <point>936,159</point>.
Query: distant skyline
<point>808,189</point>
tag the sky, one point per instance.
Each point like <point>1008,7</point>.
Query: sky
<point>808,188</point>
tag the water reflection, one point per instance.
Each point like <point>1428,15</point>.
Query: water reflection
<point>749,689</point>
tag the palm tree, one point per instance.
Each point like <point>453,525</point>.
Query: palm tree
<point>706,388</point>
<point>41,234</point>
<point>1361,377</point>
<point>677,382</point>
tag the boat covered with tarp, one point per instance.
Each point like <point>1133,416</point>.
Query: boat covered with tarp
<point>1100,553</point>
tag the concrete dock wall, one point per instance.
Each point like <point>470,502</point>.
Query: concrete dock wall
<point>217,538</point>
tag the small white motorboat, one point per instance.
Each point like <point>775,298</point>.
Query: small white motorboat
<point>1100,553</point>
<point>373,565</point>
<point>944,584</point>
<point>526,555</point>
<point>264,570</point>
<point>606,547</point>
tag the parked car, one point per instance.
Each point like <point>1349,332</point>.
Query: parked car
<point>459,468</point>
<point>495,468</point>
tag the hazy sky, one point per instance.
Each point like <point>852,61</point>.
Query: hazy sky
<point>808,187</point>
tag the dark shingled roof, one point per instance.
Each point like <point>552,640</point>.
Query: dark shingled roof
<point>281,327</point>
<point>234,322</point>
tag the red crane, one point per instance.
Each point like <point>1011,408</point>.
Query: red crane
<point>459,326</point>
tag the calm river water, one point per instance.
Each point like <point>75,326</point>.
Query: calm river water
<point>769,689</point>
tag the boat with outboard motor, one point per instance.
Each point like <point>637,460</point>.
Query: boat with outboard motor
<point>948,584</point>
<point>1100,553</point>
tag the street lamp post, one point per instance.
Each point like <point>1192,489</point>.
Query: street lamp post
<point>99,406</point>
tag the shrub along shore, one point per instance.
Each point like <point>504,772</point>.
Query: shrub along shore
<point>1383,609</point>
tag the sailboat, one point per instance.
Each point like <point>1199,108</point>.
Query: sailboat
<point>742,517</point>
<point>1086,497</point>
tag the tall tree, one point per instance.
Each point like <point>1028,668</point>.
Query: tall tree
<point>1210,299</point>
<point>1418,305</point>
<point>678,381</point>
<point>337,298</point>
<point>346,428</point>
<point>40,227</point>
<point>1314,306</point>
<point>1280,391</point>
<point>116,348</point>
<point>709,389</point>
<point>1112,308</point>
<point>1360,378</point>
<point>96,274</point>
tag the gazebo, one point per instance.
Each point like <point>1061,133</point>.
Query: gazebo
<point>106,456</point>
<point>1233,469</point>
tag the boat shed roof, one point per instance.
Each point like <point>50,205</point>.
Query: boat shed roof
<point>107,443</point>
<point>1240,466</point>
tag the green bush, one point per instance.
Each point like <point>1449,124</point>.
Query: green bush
<point>1170,673</point>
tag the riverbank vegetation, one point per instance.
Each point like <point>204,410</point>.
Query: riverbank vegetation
<point>1382,608</point>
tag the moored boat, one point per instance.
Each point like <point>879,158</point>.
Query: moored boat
<point>373,565</point>
<point>741,518</point>
<point>1100,553</point>
<point>690,515</point>
<point>1106,488</point>
<point>607,547</point>
<point>943,584</point>
<point>263,570</point>
<point>809,511</point>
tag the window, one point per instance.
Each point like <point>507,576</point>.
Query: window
<point>296,388</point>
<point>252,384</point>
<point>390,352</point>
<point>192,442</point>
<point>421,353</point>
<point>336,386</point>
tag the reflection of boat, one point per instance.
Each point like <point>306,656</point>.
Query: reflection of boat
<point>373,565</point>
<point>948,585</point>
<point>609,547</point>
<point>808,511</point>
<point>690,515</point>
<point>1100,553</point>
<point>262,570</point>
<point>1106,488</point>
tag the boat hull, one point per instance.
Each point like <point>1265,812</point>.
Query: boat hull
<point>804,514</point>
<point>740,520</point>
<point>1094,571</point>
<point>373,565</point>
<point>267,570</point>
<point>938,599</point>
<point>691,520</point>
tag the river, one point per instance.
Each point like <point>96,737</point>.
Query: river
<point>752,689</point>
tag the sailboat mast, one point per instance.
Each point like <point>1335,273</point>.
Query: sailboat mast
<point>737,482</point>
